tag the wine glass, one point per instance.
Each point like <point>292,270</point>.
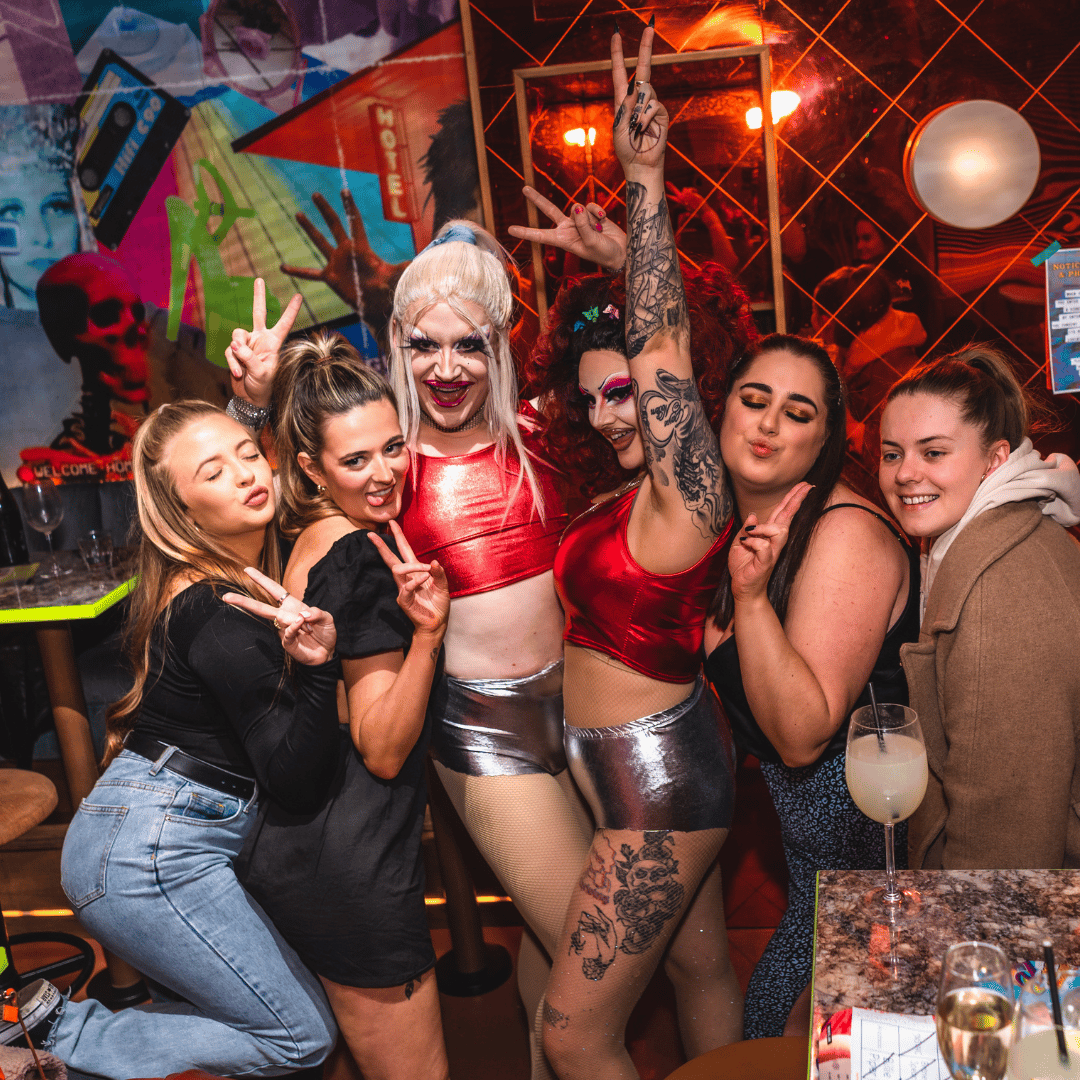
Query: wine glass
<point>886,775</point>
<point>44,511</point>
<point>1035,1053</point>
<point>975,1011</point>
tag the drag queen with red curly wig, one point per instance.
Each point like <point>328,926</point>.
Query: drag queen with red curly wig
<point>647,743</point>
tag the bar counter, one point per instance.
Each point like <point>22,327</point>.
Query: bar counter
<point>1014,909</point>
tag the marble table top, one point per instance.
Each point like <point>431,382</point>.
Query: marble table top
<point>1014,909</point>
<point>78,594</point>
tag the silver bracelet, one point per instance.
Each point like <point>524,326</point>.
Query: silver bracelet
<point>243,412</point>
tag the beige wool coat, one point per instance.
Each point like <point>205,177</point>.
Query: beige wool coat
<point>995,679</point>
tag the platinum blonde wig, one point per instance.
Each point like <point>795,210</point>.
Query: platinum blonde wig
<point>456,272</point>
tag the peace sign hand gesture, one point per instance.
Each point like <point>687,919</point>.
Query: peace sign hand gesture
<point>307,633</point>
<point>253,355</point>
<point>757,547</point>
<point>641,121</point>
<point>423,593</point>
<point>587,233</point>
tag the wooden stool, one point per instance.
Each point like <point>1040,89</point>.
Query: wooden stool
<point>755,1059</point>
<point>27,799</point>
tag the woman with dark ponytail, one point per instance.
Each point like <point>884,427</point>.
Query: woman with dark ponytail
<point>819,593</point>
<point>345,884</point>
<point>994,676</point>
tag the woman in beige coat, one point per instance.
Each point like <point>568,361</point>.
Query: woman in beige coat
<point>995,676</point>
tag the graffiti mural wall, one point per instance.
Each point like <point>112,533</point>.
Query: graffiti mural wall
<point>156,159</point>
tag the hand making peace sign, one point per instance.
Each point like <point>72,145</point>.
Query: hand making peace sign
<point>586,232</point>
<point>641,121</point>
<point>756,549</point>
<point>253,355</point>
<point>423,592</point>
<point>307,633</point>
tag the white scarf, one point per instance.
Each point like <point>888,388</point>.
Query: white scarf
<point>1055,482</point>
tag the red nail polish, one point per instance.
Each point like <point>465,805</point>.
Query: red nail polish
<point>600,213</point>
<point>578,210</point>
<point>600,228</point>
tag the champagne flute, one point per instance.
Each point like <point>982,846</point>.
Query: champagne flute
<point>886,774</point>
<point>975,1011</point>
<point>44,511</point>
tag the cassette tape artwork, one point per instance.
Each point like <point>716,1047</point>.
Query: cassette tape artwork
<point>128,126</point>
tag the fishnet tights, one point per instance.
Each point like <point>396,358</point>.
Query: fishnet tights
<point>609,951</point>
<point>534,831</point>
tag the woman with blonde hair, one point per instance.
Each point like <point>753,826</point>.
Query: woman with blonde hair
<point>345,884</point>
<point>489,507</point>
<point>223,707</point>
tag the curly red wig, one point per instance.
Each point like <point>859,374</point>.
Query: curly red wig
<point>722,330</point>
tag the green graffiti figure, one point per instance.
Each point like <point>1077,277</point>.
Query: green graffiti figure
<point>227,300</point>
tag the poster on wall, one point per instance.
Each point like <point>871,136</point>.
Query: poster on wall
<point>152,170</point>
<point>1063,320</point>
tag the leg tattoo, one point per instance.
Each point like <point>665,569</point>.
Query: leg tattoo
<point>650,898</point>
<point>554,1018</point>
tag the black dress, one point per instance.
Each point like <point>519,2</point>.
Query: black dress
<point>345,885</point>
<point>821,827</point>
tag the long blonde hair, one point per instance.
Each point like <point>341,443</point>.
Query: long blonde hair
<point>456,272</point>
<point>317,378</point>
<point>171,549</point>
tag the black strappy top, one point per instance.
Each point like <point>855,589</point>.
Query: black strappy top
<point>723,672</point>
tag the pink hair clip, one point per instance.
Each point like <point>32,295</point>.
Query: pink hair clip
<point>612,312</point>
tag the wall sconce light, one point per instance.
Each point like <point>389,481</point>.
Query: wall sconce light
<point>972,164</point>
<point>784,103</point>
<point>576,137</point>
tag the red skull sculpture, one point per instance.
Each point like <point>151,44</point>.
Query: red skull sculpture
<point>90,310</point>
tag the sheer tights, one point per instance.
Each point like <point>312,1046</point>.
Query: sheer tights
<point>534,831</point>
<point>639,892</point>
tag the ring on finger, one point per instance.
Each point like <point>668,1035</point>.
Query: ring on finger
<point>277,625</point>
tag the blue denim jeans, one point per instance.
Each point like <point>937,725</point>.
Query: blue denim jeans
<point>148,868</point>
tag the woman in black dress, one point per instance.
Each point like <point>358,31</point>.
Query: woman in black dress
<point>345,885</point>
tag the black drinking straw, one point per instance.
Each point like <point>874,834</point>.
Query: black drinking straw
<point>1055,1001</point>
<point>877,718</point>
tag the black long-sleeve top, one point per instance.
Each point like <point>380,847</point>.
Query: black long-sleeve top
<point>218,689</point>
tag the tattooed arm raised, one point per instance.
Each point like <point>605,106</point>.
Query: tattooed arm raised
<point>683,500</point>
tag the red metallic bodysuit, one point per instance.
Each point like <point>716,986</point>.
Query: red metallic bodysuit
<point>464,512</point>
<point>653,623</point>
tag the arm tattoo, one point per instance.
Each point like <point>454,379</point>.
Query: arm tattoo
<point>673,422</point>
<point>649,899</point>
<point>655,299</point>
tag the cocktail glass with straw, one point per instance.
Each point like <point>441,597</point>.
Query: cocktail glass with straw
<point>886,775</point>
<point>1046,1028</point>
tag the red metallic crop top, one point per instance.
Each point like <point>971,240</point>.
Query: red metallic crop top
<point>653,623</point>
<point>463,512</point>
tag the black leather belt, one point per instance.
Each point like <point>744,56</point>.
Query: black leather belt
<point>191,768</point>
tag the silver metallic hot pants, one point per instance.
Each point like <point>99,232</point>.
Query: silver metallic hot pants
<point>502,727</point>
<point>672,770</point>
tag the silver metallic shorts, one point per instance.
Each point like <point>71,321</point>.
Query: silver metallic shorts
<point>672,770</point>
<point>502,727</point>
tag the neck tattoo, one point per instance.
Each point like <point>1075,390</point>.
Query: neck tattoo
<point>474,421</point>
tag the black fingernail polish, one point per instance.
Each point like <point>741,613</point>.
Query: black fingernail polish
<point>618,28</point>
<point>652,21</point>
<point>750,528</point>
